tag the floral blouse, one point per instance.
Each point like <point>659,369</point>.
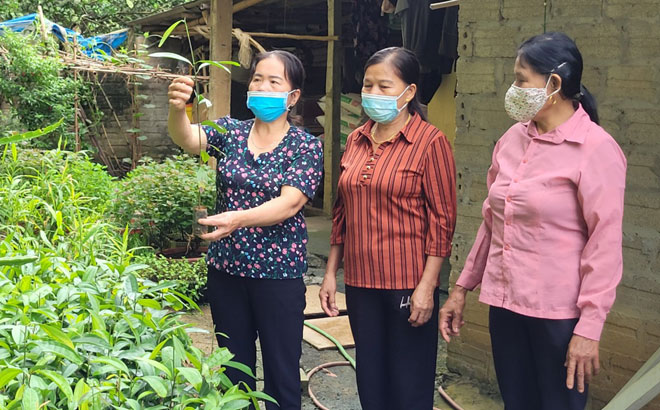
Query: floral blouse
<point>269,252</point>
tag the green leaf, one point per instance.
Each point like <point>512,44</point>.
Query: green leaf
<point>30,399</point>
<point>17,260</point>
<point>241,367</point>
<point>173,56</point>
<point>205,156</point>
<point>169,31</point>
<point>79,391</point>
<point>262,396</point>
<point>60,350</point>
<point>157,384</point>
<point>58,335</point>
<point>219,64</point>
<point>191,375</point>
<point>130,4</point>
<point>212,124</point>
<point>31,134</point>
<point>142,137</point>
<point>112,362</point>
<point>157,365</point>
<point>59,381</point>
<point>133,130</point>
<point>236,404</point>
<point>7,375</point>
<point>150,303</point>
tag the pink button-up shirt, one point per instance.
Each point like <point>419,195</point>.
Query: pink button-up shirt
<point>550,243</point>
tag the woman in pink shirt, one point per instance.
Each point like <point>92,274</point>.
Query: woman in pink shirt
<point>548,254</point>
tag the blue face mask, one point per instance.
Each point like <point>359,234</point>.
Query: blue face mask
<point>267,106</point>
<point>382,108</point>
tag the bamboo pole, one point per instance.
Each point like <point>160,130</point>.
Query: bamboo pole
<point>43,23</point>
<point>76,129</point>
<point>444,4</point>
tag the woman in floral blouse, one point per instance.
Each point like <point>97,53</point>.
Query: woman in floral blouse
<point>268,169</point>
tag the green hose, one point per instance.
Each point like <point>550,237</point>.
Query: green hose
<point>333,340</point>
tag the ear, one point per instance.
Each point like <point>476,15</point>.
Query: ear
<point>410,93</point>
<point>555,82</point>
<point>293,98</point>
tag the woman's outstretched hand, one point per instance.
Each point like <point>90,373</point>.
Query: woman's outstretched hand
<point>225,224</point>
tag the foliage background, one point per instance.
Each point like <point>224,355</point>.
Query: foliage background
<point>37,91</point>
<point>89,17</point>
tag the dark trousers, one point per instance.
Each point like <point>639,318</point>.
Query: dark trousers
<point>529,355</point>
<point>243,308</point>
<point>395,361</point>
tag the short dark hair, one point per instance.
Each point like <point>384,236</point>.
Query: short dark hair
<point>406,66</point>
<point>556,53</point>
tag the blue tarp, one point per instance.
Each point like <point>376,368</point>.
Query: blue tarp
<point>89,45</point>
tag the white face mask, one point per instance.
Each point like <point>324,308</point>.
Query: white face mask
<point>522,104</point>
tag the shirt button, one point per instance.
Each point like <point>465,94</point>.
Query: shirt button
<point>524,161</point>
<point>372,159</point>
<point>364,176</point>
<point>515,180</point>
<point>508,199</point>
<point>507,247</point>
<point>508,222</point>
<point>368,166</point>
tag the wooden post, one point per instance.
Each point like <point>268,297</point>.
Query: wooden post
<point>220,82</point>
<point>76,126</point>
<point>43,23</point>
<point>331,149</point>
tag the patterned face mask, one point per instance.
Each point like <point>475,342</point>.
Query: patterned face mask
<point>522,104</point>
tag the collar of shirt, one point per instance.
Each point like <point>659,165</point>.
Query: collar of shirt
<point>407,131</point>
<point>573,130</point>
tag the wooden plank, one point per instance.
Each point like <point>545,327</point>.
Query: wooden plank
<point>332,108</point>
<point>652,362</point>
<point>313,307</point>
<point>338,327</point>
<point>638,393</point>
<point>220,21</point>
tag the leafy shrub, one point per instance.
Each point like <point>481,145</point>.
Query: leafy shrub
<point>77,336</point>
<point>156,199</point>
<point>191,276</point>
<point>88,178</point>
<point>34,86</point>
<point>78,328</point>
<point>44,204</point>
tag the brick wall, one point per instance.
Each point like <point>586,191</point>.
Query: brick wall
<point>153,107</point>
<point>620,44</point>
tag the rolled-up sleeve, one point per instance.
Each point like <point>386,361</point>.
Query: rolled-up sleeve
<point>601,195</point>
<point>475,264</point>
<point>439,186</point>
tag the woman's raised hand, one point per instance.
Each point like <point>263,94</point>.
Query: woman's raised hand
<point>179,92</point>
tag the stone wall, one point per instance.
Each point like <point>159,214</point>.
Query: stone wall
<point>620,44</point>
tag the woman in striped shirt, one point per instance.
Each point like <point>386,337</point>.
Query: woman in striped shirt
<point>393,224</point>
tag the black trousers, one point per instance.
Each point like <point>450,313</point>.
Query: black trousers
<point>395,361</point>
<point>529,355</point>
<point>243,308</point>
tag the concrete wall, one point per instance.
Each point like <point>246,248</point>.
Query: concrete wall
<point>620,43</point>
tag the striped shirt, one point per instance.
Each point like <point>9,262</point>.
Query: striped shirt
<point>395,206</point>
